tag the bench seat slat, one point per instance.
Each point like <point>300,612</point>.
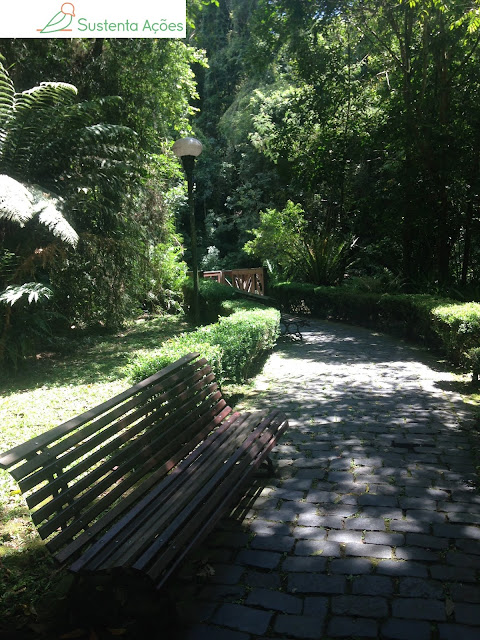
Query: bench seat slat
<point>229,473</point>
<point>155,501</point>
<point>122,443</point>
<point>215,507</point>
<point>207,423</point>
<point>131,535</point>
<point>164,566</point>
<point>103,485</point>
<point>155,489</point>
<point>202,466</point>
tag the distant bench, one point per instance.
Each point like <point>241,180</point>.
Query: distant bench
<point>292,325</point>
<point>133,484</point>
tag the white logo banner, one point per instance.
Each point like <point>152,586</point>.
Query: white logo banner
<point>93,19</point>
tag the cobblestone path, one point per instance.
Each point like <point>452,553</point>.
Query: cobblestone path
<point>371,528</point>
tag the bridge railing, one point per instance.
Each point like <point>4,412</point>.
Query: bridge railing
<point>247,280</point>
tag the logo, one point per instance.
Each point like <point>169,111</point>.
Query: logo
<point>61,20</point>
<point>92,18</point>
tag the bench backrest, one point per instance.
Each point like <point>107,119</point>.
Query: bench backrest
<point>84,474</point>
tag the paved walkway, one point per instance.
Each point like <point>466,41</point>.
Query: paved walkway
<point>372,527</point>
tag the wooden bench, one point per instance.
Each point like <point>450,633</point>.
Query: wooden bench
<point>133,484</point>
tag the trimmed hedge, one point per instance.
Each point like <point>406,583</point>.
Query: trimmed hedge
<point>452,327</point>
<point>231,345</point>
<point>214,299</point>
<point>458,326</point>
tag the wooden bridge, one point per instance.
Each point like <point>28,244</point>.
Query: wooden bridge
<point>247,280</point>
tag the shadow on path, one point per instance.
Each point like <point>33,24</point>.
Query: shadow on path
<point>371,527</point>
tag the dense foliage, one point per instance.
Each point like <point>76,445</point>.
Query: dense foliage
<point>339,138</point>
<point>294,248</point>
<point>94,151</point>
<point>363,113</point>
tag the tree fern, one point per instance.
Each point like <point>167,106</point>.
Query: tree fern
<point>7,96</point>
<point>34,292</point>
<point>26,120</point>
<point>20,203</point>
<point>48,208</point>
<point>15,201</point>
<point>56,156</point>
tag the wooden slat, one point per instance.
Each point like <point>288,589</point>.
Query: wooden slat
<point>138,534</point>
<point>220,447</point>
<point>41,460</point>
<point>206,496</point>
<point>161,574</point>
<point>91,534</point>
<point>163,504</point>
<point>248,458</point>
<point>202,427</point>
<point>154,490</point>
<point>123,438</point>
<point>103,485</point>
<point>22,451</point>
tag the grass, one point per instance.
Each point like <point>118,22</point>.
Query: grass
<point>84,371</point>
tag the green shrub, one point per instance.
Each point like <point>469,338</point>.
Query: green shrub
<point>297,248</point>
<point>231,345</point>
<point>410,316</point>
<point>243,337</point>
<point>145,365</point>
<point>445,324</point>
<point>458,325</point>
<point>212,298</point>
<point>472,357</point>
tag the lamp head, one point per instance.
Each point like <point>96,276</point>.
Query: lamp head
<point>187,147</point>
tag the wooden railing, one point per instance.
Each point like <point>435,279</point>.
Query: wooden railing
<point>248,280</point>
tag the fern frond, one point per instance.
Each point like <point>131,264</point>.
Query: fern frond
<point>20,203</point>
<point>15,201</point>
<point>45,96</point>
<point>57,224</point>
<point>7,94</point>
<point>34,291</point>
<point>48,208</point>
<point>34,121</point>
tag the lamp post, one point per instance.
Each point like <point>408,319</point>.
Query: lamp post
<point>187,149</point>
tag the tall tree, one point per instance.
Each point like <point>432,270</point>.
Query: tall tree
<point>399,95</point>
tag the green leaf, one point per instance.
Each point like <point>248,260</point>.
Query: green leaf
<point>34,291</point>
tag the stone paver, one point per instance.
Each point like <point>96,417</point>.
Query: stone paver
<point>371,527</point>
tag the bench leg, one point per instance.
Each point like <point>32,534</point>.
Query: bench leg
<point>267,462</point>
<point>122,600</point>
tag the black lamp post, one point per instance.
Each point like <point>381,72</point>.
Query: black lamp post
<point>187,149</point>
